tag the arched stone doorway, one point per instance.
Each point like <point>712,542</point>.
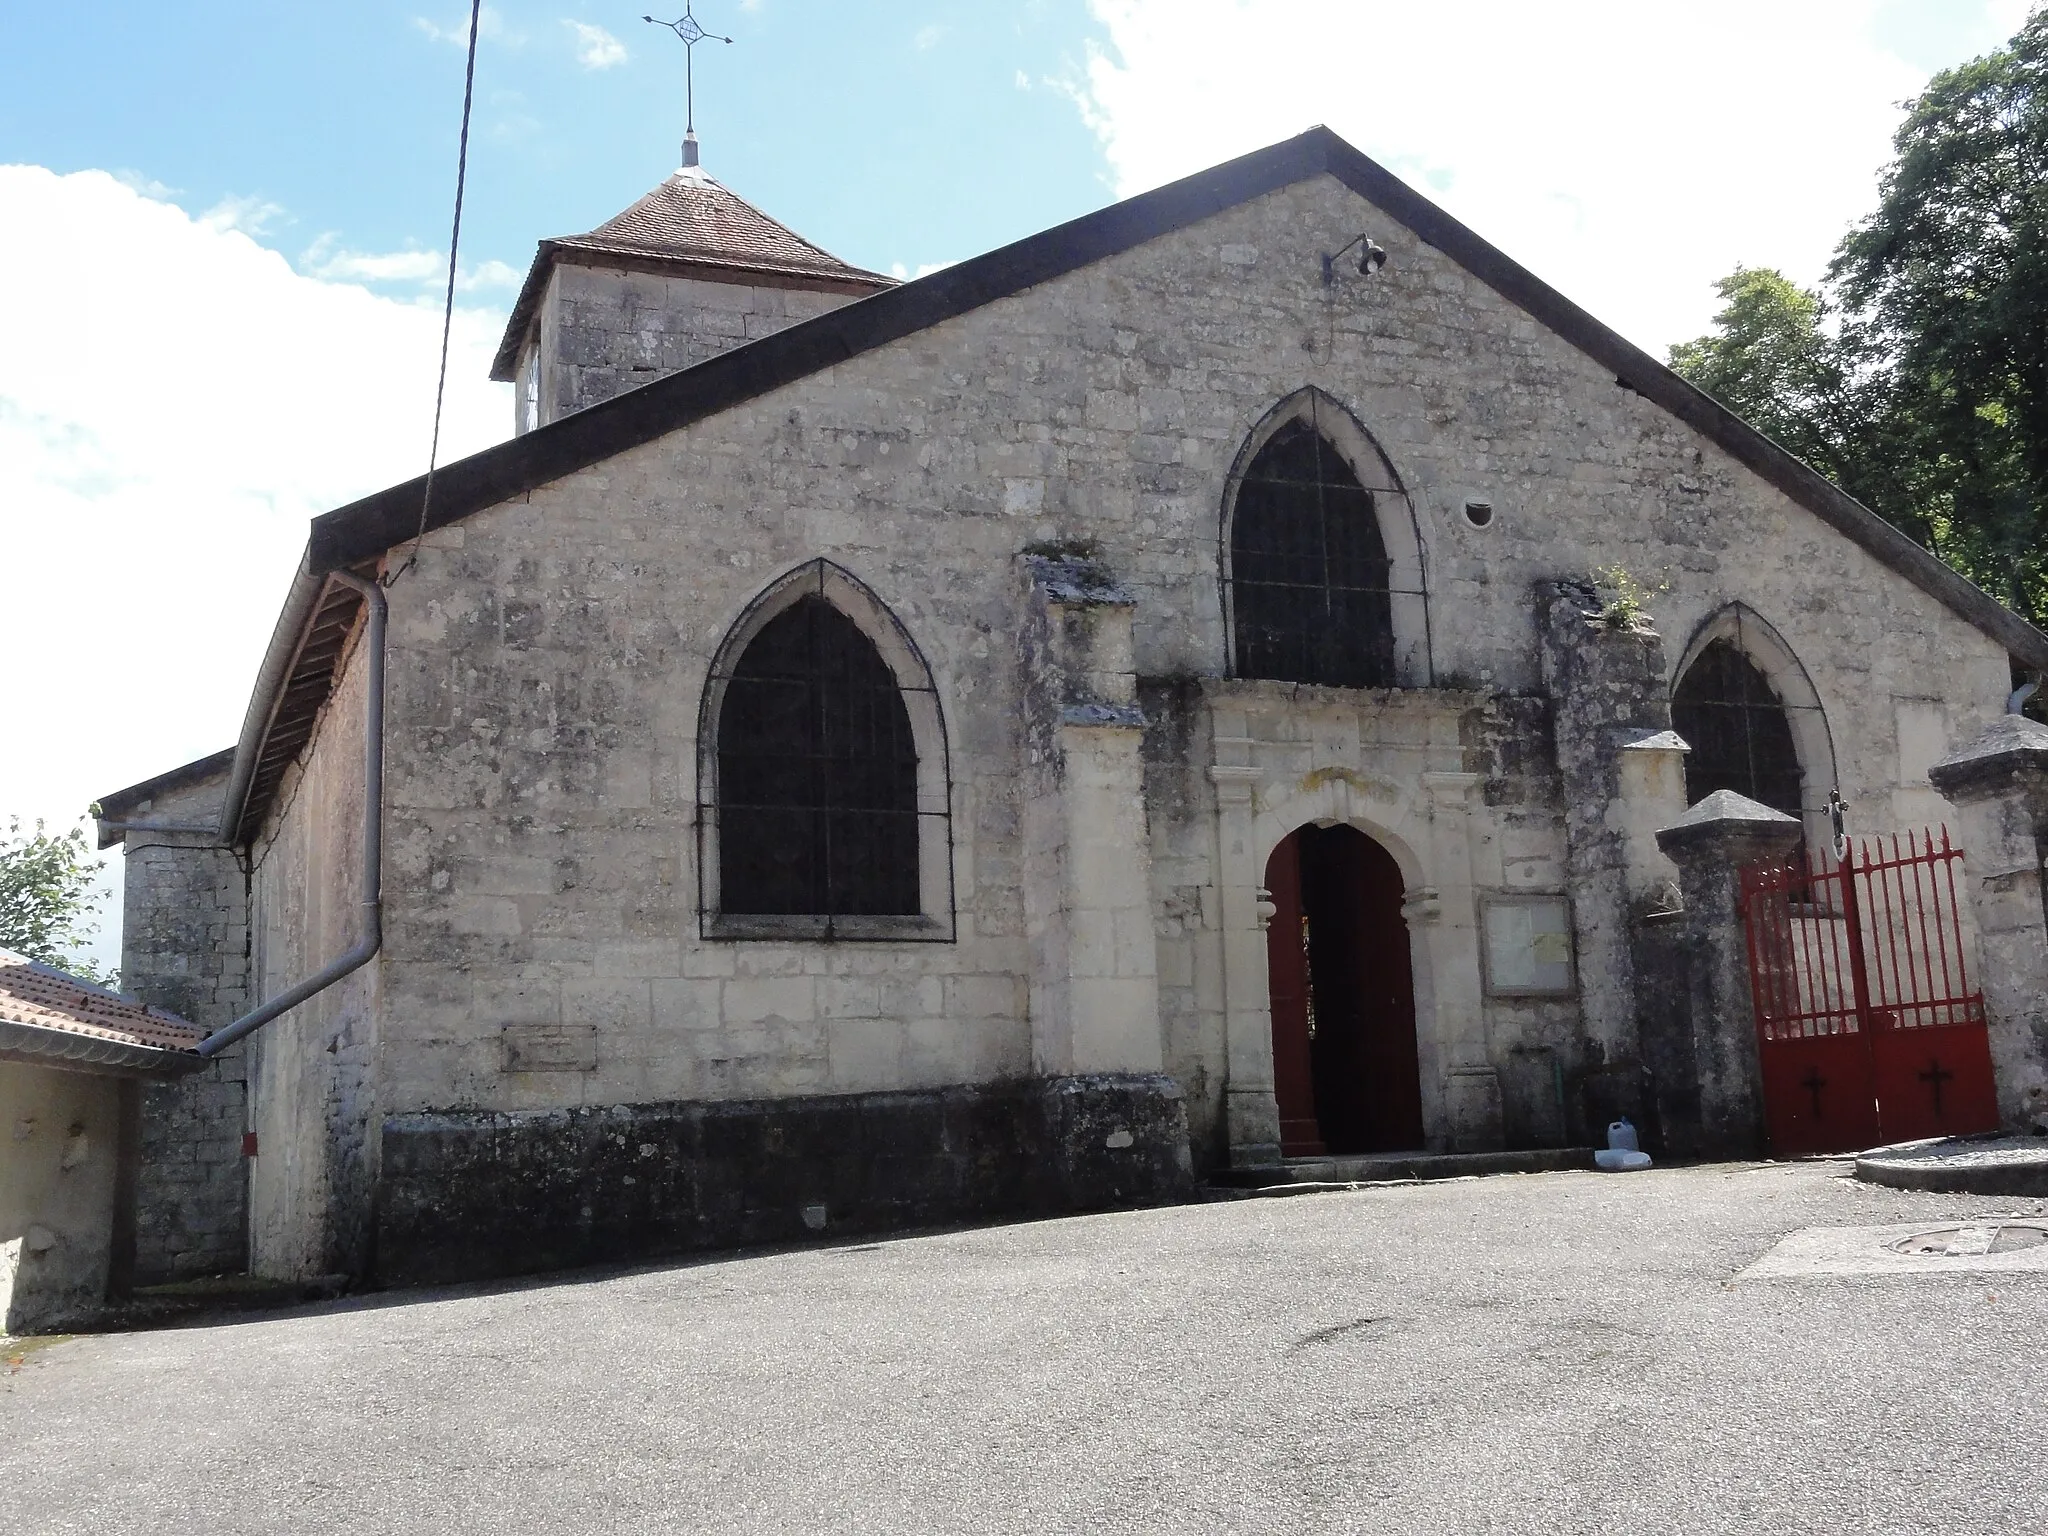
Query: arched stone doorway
<point>1345,1070</point>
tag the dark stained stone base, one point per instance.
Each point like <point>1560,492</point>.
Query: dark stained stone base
<point>468,1194</point>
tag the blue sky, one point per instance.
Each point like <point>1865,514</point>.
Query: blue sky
<point>890,133</point>
<point>222,225</point>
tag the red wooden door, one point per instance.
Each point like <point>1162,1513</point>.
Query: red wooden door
<point>1368,1087</point>
<point>1287,982</point>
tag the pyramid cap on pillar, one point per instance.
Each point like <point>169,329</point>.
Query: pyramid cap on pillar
<point>2010,744</point>
<point>1725,817</point>
<point>1649,738</point>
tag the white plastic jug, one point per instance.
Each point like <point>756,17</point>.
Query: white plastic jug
<point>1614,1160</point>
<point>1621,1154</point>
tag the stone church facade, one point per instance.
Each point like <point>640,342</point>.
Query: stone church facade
<point>1140,703</point>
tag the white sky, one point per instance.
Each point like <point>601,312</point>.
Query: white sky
<point>1629,152</point>
<point>176,400</point>
<point>175,403</point>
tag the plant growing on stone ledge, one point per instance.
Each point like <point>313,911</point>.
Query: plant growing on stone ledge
<point>1065,549</point>
<point>1624,601</point>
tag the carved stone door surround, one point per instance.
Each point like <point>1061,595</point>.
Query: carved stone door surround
<point>1387,762</point>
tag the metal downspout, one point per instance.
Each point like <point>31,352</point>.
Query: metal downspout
<point>370,935</point>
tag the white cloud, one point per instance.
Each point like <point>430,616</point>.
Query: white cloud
<point>904,273</point>
<point>490,24</point>
<point>927,38</point>
<point>1628,153</point>
<point>148,186</point>
<point>251,215</point>
<point>486,274</point>
<point>1023,81</point>
<point>595,47</point>
<point>174,405</point>
<point>369,267</point>
<point>325,260</point>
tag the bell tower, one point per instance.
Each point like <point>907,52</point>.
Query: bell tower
<point>691,270</point>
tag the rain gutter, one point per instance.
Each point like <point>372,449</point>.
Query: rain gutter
<point>37,1046</point>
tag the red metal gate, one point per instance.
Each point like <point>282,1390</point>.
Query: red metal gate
<point>1869,1029</point>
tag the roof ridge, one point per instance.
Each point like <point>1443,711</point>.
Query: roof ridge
<point>364,529</point>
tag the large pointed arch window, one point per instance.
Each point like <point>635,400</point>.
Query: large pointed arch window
<point>1311,589</point>
<point>826,813</point>
<point>1738,730</point>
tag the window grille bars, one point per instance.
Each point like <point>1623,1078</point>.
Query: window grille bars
<point>1737,727</point>
<point>1311,584</point>
<point>822,811</point>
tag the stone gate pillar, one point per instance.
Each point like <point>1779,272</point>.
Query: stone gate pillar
<point>1999,787</point>
<point>1709,844</point>
<point>1094,959</point>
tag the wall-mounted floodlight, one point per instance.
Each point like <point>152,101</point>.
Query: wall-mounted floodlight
<point>1371,257</point>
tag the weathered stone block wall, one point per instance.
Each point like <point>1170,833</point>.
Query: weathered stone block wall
<point>1601,681</point>
<point>312,1092</point>
<point>185,948</point>
<point>550,653</point>
<point>470,1193</point>
<point>1537,1045</point>
<point>604,331</point>
<point>541,855</point>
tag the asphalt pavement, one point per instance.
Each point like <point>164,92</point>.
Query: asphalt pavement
<point>1566,1352</point>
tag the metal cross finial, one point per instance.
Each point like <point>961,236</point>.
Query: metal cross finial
<point>687,27</point>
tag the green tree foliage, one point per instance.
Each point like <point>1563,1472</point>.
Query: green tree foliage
<point>1917,378</point>
<point>47,887</point>
<point>1948,280</point>
<point>1772,360</point>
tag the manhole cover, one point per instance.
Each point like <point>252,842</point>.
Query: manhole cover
<point>1969,1239</point>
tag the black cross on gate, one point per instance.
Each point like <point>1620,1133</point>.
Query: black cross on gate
<point>1813,1082</point>
<point>1935,1075</point>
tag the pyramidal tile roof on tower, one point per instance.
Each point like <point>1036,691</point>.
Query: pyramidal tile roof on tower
<point>690,221</point>
<point>694,217</point>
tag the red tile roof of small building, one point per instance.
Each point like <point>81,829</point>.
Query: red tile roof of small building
<point>44,997</point>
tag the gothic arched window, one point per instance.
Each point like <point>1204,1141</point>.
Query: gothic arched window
<point>817,775</point>
<point>1310,581</point>
<point>1739,732</point>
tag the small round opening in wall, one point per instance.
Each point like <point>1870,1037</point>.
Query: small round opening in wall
<point>1479,513</point>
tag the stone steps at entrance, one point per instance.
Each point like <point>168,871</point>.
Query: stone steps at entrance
<point>1395,1167</point>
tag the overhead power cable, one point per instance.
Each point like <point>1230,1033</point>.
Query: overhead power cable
<point>448,306</point>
